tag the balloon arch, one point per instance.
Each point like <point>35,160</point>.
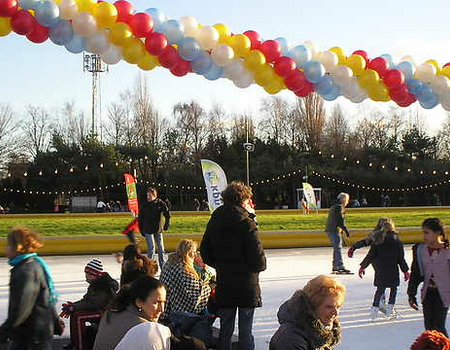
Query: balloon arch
<point>150,39</point>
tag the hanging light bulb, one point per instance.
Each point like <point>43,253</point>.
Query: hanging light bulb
<point>25,174</point>
<point>71,169</point>
<point>56,171</point>
<point>86,167</point>
<point>101,165</point>
<point>40,173</point>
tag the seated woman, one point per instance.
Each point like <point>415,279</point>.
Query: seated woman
<point>135,265</point>
<point>140,302</point>
<point>308,320</point>
<point>187,293</point>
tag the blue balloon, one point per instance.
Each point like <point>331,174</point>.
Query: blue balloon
<point>158,18</point>
<point>324,85</point>
<point>47,13</point>
<point>284,46</point>
<point>173,30</point>
<point>29,4</point>
<point>202,64</point>
<point>300,54</point>
<point>431,102</point>
<point>188,48</point>
<point>214,73</point>
<point>425,94</point>
<point>61,33</point>
<point>333,94</point>
<point>314,71</point>
<point>76,45</point>
<point>407,68</point>
<point>415,86</point>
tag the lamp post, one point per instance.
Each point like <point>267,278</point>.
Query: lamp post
<point>248,147</point>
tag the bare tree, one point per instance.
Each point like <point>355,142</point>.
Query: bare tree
<point>8,128</point>
<point>37,129</point>
<point>71,124</point>
<point>443,138</point>
<point>239,125</point>
<point>275,111</point>
<point>337,130</point>
<point>116,125</point>
<point>215,124</point>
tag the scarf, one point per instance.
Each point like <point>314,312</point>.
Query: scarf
<point>19,258</point>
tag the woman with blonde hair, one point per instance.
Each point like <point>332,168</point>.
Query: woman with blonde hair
<point>367,241</point>
<point>309,319</point>
<point>31,314</point>
<point>187,293</point>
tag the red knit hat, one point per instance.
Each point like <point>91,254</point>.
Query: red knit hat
<point>94,267</point>
<point>431,340</point>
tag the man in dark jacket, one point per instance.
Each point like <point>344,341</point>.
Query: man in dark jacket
<point>231,245</point>
<point>335,226</point>
<point>150,223</point>
<point>99,296</point>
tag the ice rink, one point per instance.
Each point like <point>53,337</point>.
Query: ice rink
<point>288,270</point>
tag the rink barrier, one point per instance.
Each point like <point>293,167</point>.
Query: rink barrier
<point>68,245</point>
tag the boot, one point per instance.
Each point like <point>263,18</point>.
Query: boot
<point>391,313</point>
<point>374,313</point>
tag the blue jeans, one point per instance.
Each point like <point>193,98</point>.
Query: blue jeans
<point>46,345</point>
<point>336,242</point>
<point>245,324</point>
<point>151,240</point>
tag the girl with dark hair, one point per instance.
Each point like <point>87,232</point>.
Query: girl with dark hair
<point>431,266</point>
<point>140,302</point>
<point>135,265</point>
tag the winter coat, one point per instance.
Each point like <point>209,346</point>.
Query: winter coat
<point>185,292</point>
<point>100,294</point>
<point>231,245</point>
<point>30,314</point>
<point>146,336</point>
<point>301,330</point>
<point>336,219</point>
<point>385,259</point>
<point>150,217</point>
<point>114,325</point>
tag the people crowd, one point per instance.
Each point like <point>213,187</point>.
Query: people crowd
<point>218,279</point>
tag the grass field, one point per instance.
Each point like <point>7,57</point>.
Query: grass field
<point>104,224</point>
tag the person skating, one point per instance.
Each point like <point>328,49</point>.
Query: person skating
<point>335,227</point>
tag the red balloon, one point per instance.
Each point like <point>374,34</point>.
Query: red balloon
<point>399,94</point>
<point>271,49</point>
<point>39,34</point>
<point>380,65</point>
<point>446,65</point>
<point>284,66</point>
<point>155,43</point>
<point>295,81</point>
<point>141,24</point>
<point>254,37</point>
<point>394,78</point>
<point>125,11</point>
<point>305,90</point>
<point>181,69</point>
<point>410,99</point>
<point>363,54</point>
<point>169,57</point>
<point>23,22</point>
<point>8,8</point>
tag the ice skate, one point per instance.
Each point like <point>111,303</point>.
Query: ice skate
<point>342,271</point>
<point>391,312</point>
<point>374,313</point>
<point>383,306</point>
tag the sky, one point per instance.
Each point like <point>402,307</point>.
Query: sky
<point>47,75</point>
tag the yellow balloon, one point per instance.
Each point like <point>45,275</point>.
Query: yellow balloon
<point>446,71</point>
<point>436,64</point>
<point>120,34</point>
<point>340,54</point>
<point>379,93</point>
<point>134,51</point>
<point>264,75</point>
<point>254,60</point>
<point>149,62</point>
<point>86,5</point>
<point>368,78</point>
<point>224,33</point>
<point>105,14</point>
<point>57,1</point>
<point>5,26</point>
<point>240,44</point>
<point>356,63</point>
<point>274,87</point>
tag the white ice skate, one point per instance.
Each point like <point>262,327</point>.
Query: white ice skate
<point>391,312</point>
<point>374,313</point>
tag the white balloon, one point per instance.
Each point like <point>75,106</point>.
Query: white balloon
<point>313,47</point>
<point>409,59</point>
<point>98,43</point>
<point>244,80</point>
<point>342,75</point>
<point>445,103</point>
<point>113,55</point>
<point>425,72</point>
<point>441,85</point>
<point>234,70</point>
<point>190,25</point>
<point>207,37</point>
<point>68,9</point>
<point>222,55</point>
<point>84,24</point>
<point>329,59</point>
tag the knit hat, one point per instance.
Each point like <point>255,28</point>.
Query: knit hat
<point>94,267</point>
<point>432,340</point>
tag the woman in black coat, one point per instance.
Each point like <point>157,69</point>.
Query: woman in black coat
<point>231,245</point>
<point>386,254</point>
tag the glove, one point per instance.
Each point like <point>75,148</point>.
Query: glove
<point>350,251</point>
<point>361,272</point>
<point>406,275</point>
<point>413,303</point>
<point>67,309</point>
<point>166,225</point>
